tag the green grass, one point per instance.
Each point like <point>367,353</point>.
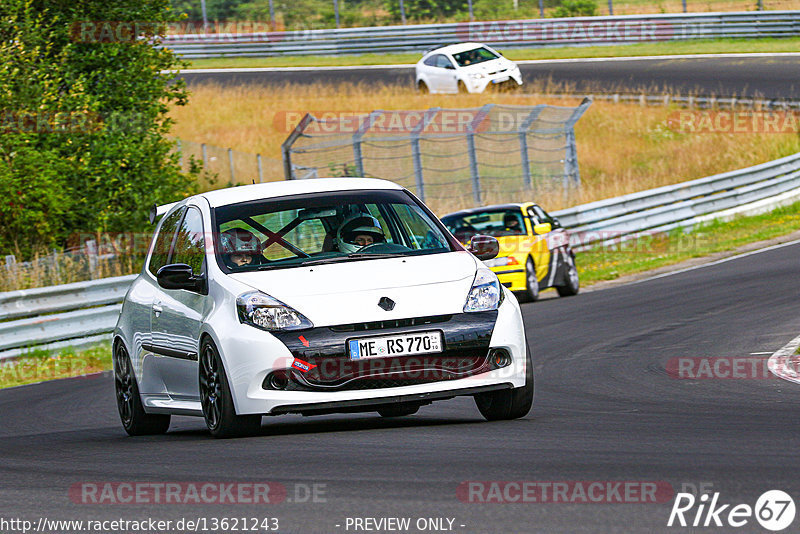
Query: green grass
<point>720,46</point>
<point>717,236</point>
<point>39,365</point>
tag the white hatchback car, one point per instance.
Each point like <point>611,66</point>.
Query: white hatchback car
<point>465,68</point>
<point>313,297</point>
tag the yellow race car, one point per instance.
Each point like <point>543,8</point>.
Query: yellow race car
<point>534,248</point>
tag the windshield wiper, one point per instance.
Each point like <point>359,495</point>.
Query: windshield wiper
<point>360,255</point>
<point>353,256</point>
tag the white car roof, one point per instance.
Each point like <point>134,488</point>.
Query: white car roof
<point>455,48</point>
<point>234,195</point>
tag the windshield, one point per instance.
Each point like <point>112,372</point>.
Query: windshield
<point>476,55</point>
<point>324,228</point>
<point>497,223</point>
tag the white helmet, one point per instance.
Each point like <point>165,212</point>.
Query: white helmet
<point>359,224</point>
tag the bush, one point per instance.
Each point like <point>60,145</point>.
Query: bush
<point>83,122</point>
<point>576,8</point>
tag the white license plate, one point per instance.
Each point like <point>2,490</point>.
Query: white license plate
<point>397,345</point>
<point>501,80</point>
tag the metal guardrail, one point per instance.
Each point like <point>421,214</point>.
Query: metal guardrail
<point>59,316</point>
<point>86,312</point>
<point>573,31</point>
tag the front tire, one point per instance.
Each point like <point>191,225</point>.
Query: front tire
<point>572,282</point>
<point>135,420</point>
<point>462,88</point>
<point>217,401</point>
<point>509,403</point>
<point>531,292</point>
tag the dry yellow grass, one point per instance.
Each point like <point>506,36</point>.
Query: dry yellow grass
<point>622,148</point>
<point>633,7</point>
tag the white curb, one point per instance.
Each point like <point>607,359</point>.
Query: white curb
<point>785,363</point>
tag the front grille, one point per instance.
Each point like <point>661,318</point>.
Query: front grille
<point>380,373</point>
<point>393,323</point>
<point>466,339</point>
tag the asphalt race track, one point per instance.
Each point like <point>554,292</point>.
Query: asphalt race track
<point>764,77</point>
<point>605,410</point>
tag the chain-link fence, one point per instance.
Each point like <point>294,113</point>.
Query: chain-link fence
<point>228,167</point>
<point>490,154</point>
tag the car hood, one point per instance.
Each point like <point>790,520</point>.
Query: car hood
<point>490,66</point>
<point>349,292</point>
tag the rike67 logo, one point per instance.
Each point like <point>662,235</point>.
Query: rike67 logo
<point>774,510</point>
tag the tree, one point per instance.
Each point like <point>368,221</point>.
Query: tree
<point>83,115</point>
<point>576,8</point>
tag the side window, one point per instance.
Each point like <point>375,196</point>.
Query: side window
<point>189,244</point>
<point>431,60</point>
<point>535,219</point>
<point>443,62</point>
<point>163,241</point>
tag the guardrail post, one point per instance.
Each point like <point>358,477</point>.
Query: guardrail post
<point>416,155</point>
<point>362,130</point>
<point>286,146</point>
<point>230,164</point>
<point>205,155</point>
<point>260,170</point>
<point>523,144</point>
<point>91,257</point>
<point>473,156</point>
<point>571,171</point>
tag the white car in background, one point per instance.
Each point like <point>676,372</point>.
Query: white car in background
<point>465,68</point>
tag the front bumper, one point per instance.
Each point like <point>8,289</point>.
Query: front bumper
<point>324,351</point>
<point>502,79</point>
<point>251,355</point>
<point>512,277</point>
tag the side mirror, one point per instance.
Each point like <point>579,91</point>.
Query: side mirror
<point>543,228</point>
<point>179,276</point>
<point>484,247</point>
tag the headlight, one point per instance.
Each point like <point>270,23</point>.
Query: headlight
<point>268,313</point>
<point>485,294</point>
<point>476,75</point>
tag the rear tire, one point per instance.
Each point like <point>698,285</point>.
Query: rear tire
<point>509,403</point>
<point>531,291</point>
<point>572,282</point>
<point>135,420</point>
<point>422,87</point>
<point>398,410</point>
<point>217,401</point>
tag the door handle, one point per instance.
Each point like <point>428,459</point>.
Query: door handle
<point>157,309</point>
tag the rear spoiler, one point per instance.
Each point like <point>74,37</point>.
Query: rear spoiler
<point>158,211</point>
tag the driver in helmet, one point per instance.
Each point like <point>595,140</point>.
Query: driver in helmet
<point>240,248</point>
<point>511,223</point>
<point>358,232</point>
